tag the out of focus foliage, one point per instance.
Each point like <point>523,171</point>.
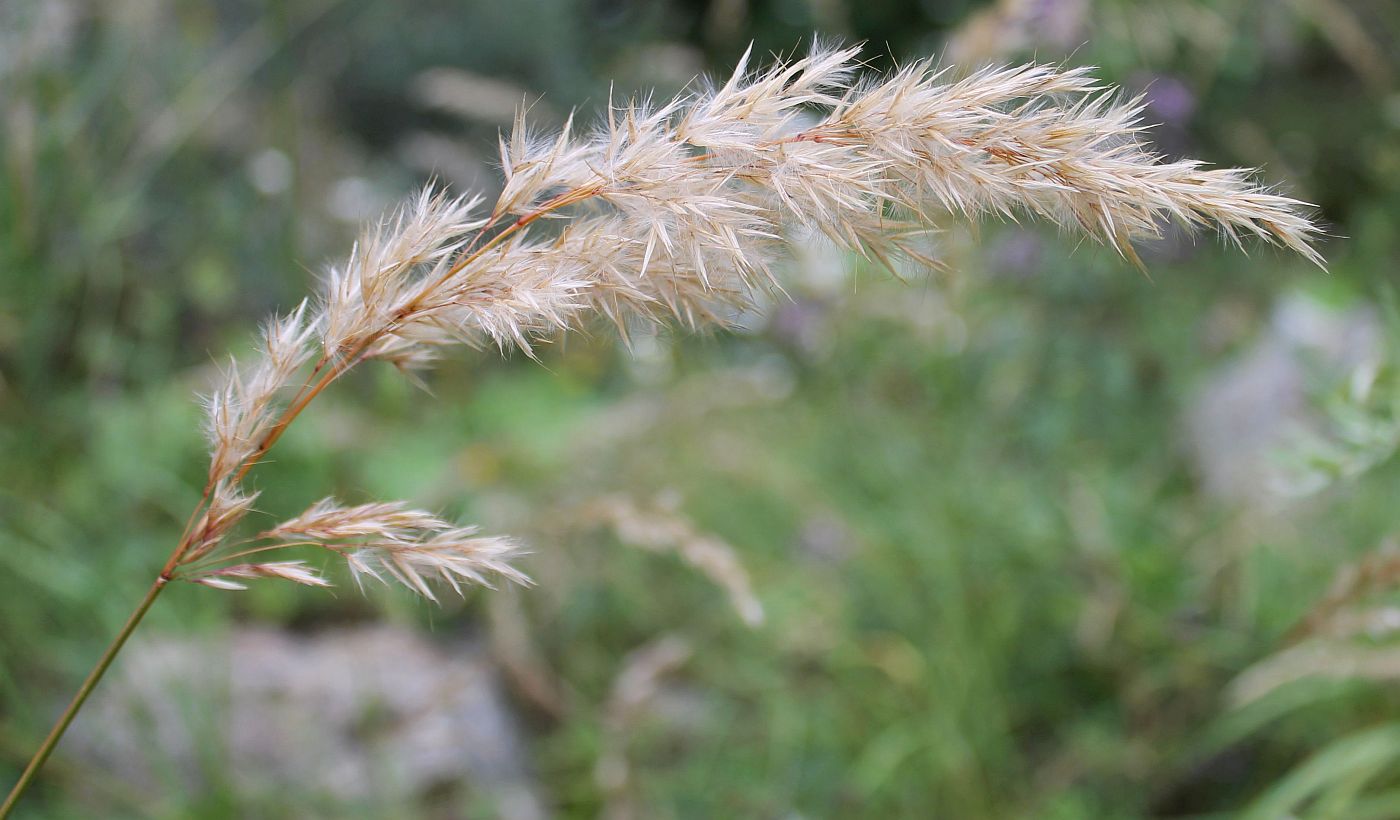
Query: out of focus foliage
<point>995,580</point>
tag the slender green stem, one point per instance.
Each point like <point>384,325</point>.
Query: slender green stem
<point>47,747</point>
<point>312,387</point>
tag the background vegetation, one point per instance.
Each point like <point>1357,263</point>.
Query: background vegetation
<point>1005,571</point>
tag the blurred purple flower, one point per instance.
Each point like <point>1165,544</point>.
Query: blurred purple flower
<point>1168,98</point>
<point>1017,254</point>
<point>803,323</point>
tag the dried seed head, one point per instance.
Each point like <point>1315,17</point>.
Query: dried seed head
<point>680,210</point>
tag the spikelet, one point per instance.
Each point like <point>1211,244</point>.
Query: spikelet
<point>228,504</point>
<point>326,520</point>
<point>410,546</point>
<point>294,571</point>
<point>245,407</point>
<point>363,297</point>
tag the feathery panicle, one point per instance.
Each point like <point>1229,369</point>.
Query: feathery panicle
<point>680,210</point>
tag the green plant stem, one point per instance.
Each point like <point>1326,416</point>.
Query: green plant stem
<point>47,747</point>
<point>309,390</point>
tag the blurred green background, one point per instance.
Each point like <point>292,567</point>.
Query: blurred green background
<point>1034,535</point>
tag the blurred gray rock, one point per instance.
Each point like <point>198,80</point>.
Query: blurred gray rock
<point>373,713</point>
<point>1244,416</point>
